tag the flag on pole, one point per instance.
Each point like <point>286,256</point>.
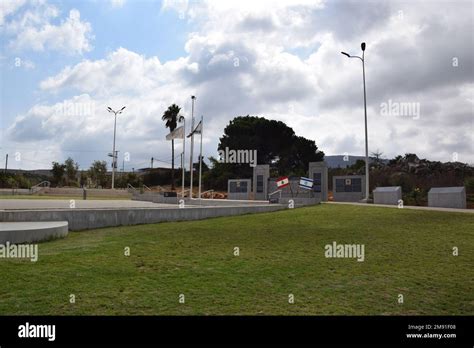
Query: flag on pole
<point>282,182</point>
<point>178,133</point>
<point>196,130</point>
<point>306,183</point>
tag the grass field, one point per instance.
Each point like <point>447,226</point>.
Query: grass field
<point>407,252</point>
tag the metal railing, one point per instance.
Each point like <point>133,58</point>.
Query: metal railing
<point>183,192</point>
<point>38,187</point>
<point>212,195</point>
<point>274,192</point>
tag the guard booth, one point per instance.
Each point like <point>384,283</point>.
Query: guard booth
<point>238,189</point>
<point>348,188</point>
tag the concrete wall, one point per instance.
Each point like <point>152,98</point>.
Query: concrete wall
<point>300,201</point>
<point>223,202</point>
<point>447,197</point>
<point>239,195</point>
<point>157,198</point>
<point>11,192</point>
<point>119,193</point>
<point>348,196</point>
<point>166,200</point>
<point>147,196</point>
<point>32,232</point>
<point>84,219</point>
<point>387,195</point>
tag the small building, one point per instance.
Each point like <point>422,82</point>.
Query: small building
<point>348,188</point>
<point>390,195</point>
<point>447,197</point>
<point>239,189</point>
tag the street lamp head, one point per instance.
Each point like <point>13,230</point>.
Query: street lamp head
<point>362,45</point>
<point>122,108</point>
<point>109,108</point>
<point>346,54</point>
<point>193,97</point>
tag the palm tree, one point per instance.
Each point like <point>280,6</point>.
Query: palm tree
<point>172,117</point>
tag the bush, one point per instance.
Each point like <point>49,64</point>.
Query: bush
<point>469,183</point>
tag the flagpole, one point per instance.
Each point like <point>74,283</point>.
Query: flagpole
<point>183,171</point>
<point>200,157</point>
<point>192,149</point>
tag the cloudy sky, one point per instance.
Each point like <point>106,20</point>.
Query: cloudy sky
<point>63,62</point>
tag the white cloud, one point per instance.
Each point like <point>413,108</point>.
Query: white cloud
<point>34,30</point>
<point>123,71</point>
<point>9,7</point>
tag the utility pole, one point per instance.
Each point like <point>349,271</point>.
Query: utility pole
<point>152,163</point>
<point>6,164</point>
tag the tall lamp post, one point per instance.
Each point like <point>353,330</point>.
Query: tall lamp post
<point>193,98</point>
<point>362,46</point>
<point>114,154</point>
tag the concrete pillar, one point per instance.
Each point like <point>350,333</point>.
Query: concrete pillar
<point>261,174</point>
<point>318,171</point>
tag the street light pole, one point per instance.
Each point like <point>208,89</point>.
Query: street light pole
<point>114,155</point>
<point>193,98</point>
<point>362,46</point>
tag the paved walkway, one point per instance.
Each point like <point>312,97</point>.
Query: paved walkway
<point>451,210</point>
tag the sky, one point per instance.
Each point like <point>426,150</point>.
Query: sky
<point>63,62</point>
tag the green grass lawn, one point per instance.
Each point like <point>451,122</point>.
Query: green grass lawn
<point>407,252</point>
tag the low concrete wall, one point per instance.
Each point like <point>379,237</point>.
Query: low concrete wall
<point>224,202</point>
<point>12,192</point>
<point>156,197</point>
<point>119,193</point>
<point>84,219</point>
<point>165,200</point>
<point>31,232</point>
<point>145,196</point>
<point>300,201</point>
